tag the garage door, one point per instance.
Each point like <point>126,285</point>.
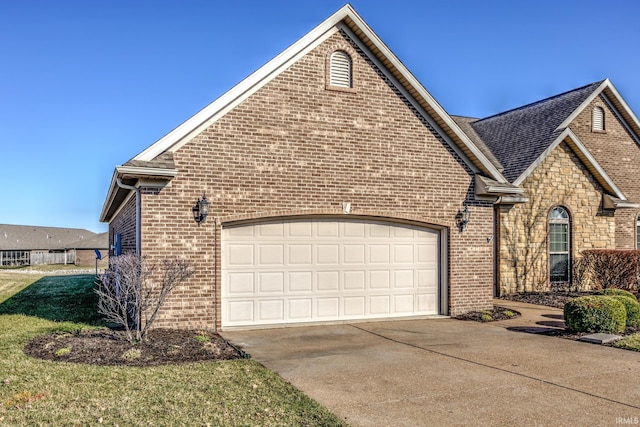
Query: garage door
<point>299,271</point>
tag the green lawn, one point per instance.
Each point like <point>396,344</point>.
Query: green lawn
<point>37,392</point>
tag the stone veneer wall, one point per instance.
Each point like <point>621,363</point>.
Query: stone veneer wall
<point>560,180</point>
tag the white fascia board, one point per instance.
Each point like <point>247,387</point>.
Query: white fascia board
<point>110,195</point>
<point>620,117</point>
<point>246,87</point>
<point>583,150</point>
<point>389,55</point>
<point>584,105</point>
<point>142,171</point>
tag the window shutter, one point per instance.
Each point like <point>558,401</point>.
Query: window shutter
<point>598,118</point>
<point>340,74</point>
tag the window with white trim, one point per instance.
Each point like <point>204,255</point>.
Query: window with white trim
<point>559,244</point>
<point>340,69</point>
<point>598,118</point>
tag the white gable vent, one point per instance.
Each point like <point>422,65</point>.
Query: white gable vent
<point>340,73</point>
<point>598,118</point>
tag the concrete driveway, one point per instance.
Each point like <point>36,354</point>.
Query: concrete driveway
<point>449,372</point>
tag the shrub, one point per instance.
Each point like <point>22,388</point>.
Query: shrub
<point>598,313</point>
<point>133,289</point>
<point>632,308</point>
<point>616,292</point>
<point>610,268</point>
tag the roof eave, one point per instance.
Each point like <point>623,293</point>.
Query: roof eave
<point>138,175</point>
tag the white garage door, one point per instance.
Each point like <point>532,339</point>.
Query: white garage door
<point>297,271</point>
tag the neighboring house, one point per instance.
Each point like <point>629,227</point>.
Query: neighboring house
<point>576,157</point>
<point>32,245</point>
<point>339,189</point>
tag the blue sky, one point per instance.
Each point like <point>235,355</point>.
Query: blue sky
<point>86,85</point>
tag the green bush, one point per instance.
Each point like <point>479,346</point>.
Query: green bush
<point>632,307</point>
<point>616,292</point>
<point>597,313</point>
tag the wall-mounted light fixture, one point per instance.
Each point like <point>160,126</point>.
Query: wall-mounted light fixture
<point>201,209</point>
<point>462,219</point>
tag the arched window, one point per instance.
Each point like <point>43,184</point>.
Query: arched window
<point>598,118</point>
<point>340,69</point>
<point>559,245</point>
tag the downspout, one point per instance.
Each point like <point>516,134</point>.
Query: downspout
<point>138,211</point>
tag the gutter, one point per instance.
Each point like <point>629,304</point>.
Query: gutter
<point>138,210</point>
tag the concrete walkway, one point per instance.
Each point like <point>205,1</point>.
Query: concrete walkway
<point>441,372</point>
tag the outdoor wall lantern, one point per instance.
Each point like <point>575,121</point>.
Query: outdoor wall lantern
<point>462,219</point>
<point>201,209</point>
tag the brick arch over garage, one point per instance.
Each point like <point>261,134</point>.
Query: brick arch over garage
<point>298,268</point>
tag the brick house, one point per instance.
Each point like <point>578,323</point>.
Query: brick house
<point>340,189</point>
<point>336,185</point>
<point>35,245</point>
<point>575,155</point>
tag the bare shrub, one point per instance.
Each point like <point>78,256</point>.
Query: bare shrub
<point>133,289</point>
<point>612,268</point>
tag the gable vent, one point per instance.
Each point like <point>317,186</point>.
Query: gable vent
<point>598,118</point>
<point>340,74</point>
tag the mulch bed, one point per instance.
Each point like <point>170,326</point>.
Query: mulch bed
<point>110,347</point>
<point>550,299</point>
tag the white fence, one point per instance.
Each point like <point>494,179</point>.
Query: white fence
<point>14,258</point>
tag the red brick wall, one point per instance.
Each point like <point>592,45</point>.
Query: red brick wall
<point>295,147</point>
<point>619,155</point>
<point>124,223</point>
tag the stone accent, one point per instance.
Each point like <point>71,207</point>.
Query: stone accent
<point>295,148</point>
<point>560,180</point>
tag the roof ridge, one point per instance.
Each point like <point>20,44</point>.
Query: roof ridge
<point>522,107</point>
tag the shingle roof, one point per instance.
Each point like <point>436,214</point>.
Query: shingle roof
<point>27,237</point>
<point>465,124</point>
<point>518,137</point>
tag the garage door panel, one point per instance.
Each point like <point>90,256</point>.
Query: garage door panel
<point>353,254</point>
<point>240,311</point>
<point>271,283</point>
<point>327,229</point>
<point>271,310</point>
<point>327,254</point>
<point>300,309</point>
<point>380,305</point>
<point>354,280</point>
<point>328,281</point>
<point>328,307</point>
<point>241,283</point>
<point>300,254</point>
<point>300,229</point>
<point>403,304</point>
<point>271,255</point>
<point>379,254</point>
<point>379,279</point>
<point>271,230</point>
<point>355,306</point>
<point>403,279</point>
<point>354,229</point>
<point>322,270</point>
<point>300,281</point>
<point>241,255</point>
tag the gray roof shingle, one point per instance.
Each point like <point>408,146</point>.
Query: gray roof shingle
<point>518,137</point>
<point>27,237</point>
